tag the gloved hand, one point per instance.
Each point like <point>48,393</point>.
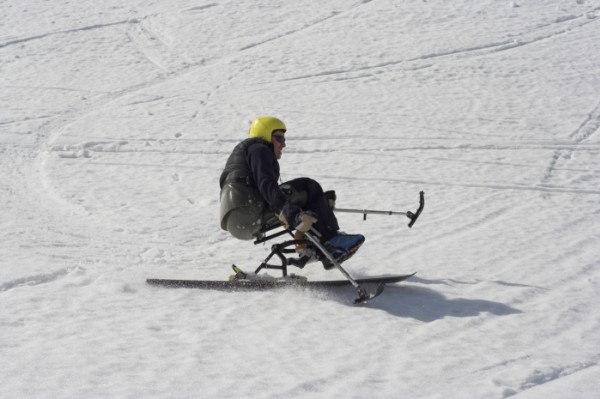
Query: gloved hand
<point>292,215</point>
<point>306,219</point>
<point>288,214</point>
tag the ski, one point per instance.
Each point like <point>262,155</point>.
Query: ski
<point>258,283</point>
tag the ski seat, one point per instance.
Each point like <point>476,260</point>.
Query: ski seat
<point>243,211</point>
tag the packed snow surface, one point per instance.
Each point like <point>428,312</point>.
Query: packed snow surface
<point>116,118</point>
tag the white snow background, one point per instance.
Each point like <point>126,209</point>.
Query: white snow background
<point>116,118</point>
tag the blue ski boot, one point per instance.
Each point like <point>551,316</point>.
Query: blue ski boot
<point>342,246</point>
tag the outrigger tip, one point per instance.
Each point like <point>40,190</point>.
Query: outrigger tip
<point>364,297</point>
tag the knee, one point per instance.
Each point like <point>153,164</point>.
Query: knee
<point>313,187</point>
<point>310,187</point>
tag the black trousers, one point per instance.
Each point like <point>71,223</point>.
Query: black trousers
<point>308,194</point>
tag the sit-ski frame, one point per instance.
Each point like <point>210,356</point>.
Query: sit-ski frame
<point>282,249</point>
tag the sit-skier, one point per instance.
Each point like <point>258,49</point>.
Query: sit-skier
<point>252,197</point>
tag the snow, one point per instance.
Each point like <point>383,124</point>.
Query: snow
<point>116,119</point>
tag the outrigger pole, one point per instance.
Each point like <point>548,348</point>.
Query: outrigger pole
<point>363,295</point>
<point>412,216</point>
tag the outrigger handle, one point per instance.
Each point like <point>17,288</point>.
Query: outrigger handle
<point>412,216</point>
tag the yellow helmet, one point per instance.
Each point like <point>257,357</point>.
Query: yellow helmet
<point>263,127</point>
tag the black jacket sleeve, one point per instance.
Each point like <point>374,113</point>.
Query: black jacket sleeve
<point>265,172</point>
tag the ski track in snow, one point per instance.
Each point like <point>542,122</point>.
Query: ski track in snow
<point>587,128</point>
<point>541,33</point>
<point>154,49</point>
<point>541,377</point>
<point>290,34</point>
<point>64,32</point>
<point>36,279</point>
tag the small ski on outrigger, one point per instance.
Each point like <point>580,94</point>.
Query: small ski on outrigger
<point>242,280</point>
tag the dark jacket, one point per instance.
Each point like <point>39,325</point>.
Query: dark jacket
<point>253,162</point>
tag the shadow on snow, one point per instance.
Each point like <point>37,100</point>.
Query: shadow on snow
<point>427,305</point>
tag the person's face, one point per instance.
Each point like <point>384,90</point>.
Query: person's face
<point>278,140</point>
